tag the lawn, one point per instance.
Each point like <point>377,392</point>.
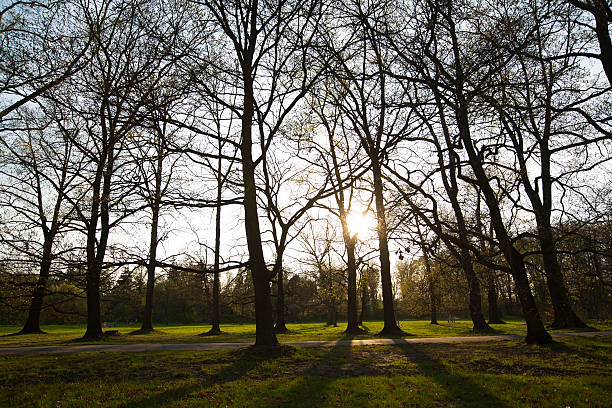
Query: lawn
<point>571,372</point>
<point>238,333</point>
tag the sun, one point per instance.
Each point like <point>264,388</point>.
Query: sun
<point>362,224</point>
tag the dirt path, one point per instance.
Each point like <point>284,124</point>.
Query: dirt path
<point>131,348</point>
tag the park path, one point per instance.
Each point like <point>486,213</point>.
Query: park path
<point>130,348</point>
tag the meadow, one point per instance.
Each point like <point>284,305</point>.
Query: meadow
<point>245,333</point>
<point>571,372</point>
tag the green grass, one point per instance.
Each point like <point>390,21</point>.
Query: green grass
<point>571,372</point>
<point>238,333</point>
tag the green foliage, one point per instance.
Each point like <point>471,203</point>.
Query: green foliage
<point>451,291</point>
<point>300,298</point>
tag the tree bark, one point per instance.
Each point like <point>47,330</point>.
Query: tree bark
<point>280,303</point>
<point>433,310</point>
<point>96,248</point>
<point>602,13</point>
<point>389,323</point>
<point>352,325</point>
<point>603,38</point>
<point>564,316</point>
<point>147,321</point>
<point>494,317</point>
<point>475,297</point>
<point>32,324</point>
<point>264,321</point>
<point>363,315</point>
<point>215,330</point>
<point>353,321</point>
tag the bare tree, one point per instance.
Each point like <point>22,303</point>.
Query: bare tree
<point>341,157</point>
<point>272,46</point>
<point>455,68</point>
<point>109,99</point>
<point>39,48</point>
<point>38,172</point>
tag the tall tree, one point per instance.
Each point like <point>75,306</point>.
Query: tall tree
<point>369,109</point>
<point>109,98</point>
<point>337,155</point>
<point>545,114</point>
<point>271,46</point>
<point>456,68</point>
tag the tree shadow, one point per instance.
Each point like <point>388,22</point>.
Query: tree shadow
<point>16,334</point>
<point>243,360</point>
<point>141,332</point>
<point>313,386</point>
<point>472,332</point>
<point>461,390</point>
<point>560,347</point>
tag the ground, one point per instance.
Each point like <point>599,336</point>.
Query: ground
<point>574,372</point>
<point>245,333</point>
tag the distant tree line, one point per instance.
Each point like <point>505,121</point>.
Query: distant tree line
<point>185,298</point>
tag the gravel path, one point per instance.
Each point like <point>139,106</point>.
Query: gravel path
<point>130,348</point>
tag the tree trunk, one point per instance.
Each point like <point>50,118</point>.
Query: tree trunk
<point>92,278</point>
<point>430,278</point>
<point>363,315</point>
<point>96,248</point>
<point>264,321</point>
<point>494,317</point>
<point>352,326</point>
<point>332,318</point>
<point>536,333</point>
<point>280,303</point>
<point>94,321</point>
<point>215,330</point>
<point>564,316</point>
<point>390,324</point>
<point>603,38</point>
<point>32,324</point>
<point>147,321</point>
<point>475,298</point>
<point>432,301</point>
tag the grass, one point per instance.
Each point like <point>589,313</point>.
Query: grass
<point>571,372</point>
<point>238,333</point>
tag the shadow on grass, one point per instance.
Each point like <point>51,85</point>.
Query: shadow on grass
<point>471,332</point>
<point>140,332</point>
<point>16,334</point>
<point>585,350</point>
<point>460,390</point>
<point>314,385</point>
<point>242,362</point>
